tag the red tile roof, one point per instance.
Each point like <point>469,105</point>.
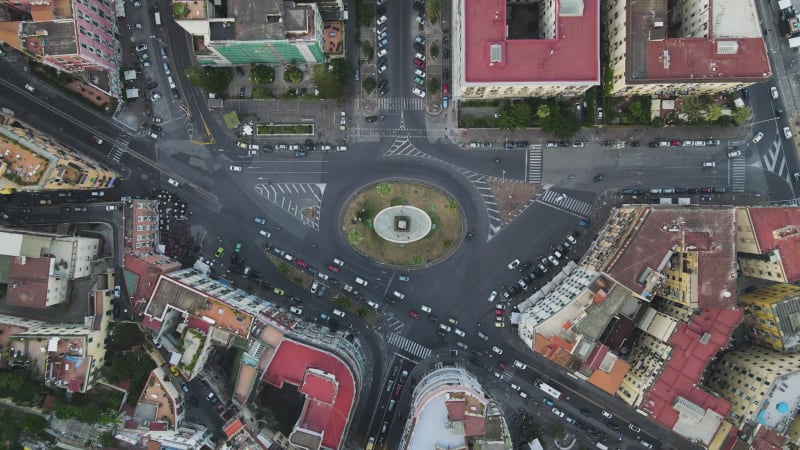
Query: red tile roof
<point>455,409</point>
<point>779,228</point>
<point>596,356</point>
<point>290,363</point>
<point>573,56</point>
<point>234,427</point>
<point>319,387</point>
<point>681,374</point>
<point>147,276</point>
<point>28,278</point>
<point>474,426</point>
<point>199,324</point>
<point>697,58</point>
<point>768,439</point>
<point>159,426</point>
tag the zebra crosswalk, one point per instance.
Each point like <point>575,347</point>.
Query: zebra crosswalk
<point>302,200</point>
<point>400,103</point>
<point>533,174</point>
<point>564,202</point>
<point>119,148</point>
<point>738,174</point>
<point>409,346</point>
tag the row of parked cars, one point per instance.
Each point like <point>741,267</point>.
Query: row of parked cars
<point>688,143</point>
<point>677,190</point>
<point>530,270</point>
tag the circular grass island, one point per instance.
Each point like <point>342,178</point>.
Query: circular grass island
<point>375,201</point>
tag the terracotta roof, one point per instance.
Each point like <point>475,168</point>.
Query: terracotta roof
<point>28,278</point>
<point>779,228</point>
<point>474,426</point>
<point>290,363</point>
<point>234,427</point>
<point>768,439</point>
<point>698,58</point>
<point>159,426</point>
<point>131,424</point>
<point>573,56</point>
<point>455,409</point>
<point>694,345</point>
<point>151,323</point>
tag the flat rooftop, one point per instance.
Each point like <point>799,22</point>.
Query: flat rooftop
<point>779,229</point>
<point>734,49</point>
<point>572,56</point>
<point>262,20</point>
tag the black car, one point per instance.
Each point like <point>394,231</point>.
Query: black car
<point>634,143</point>
<point>239,72</point>
<point>267,148</point>
<point>81,209</point>
<point>383,84</point>
<point>653,144</point>
<point>419,6</point>
<point>312,270</point>
<point>525,266</point>
<point>66,209</point>
<point>446,74</point>
<point>693,190</point>
<point>26,210</point>
<point>382,61</point>
<point>156,129</point>
<point>380,10</point>
<point>372,119</point>
<point>565,144</point>
<point>242,92</point>
<point>446,53</point>
<point>470,234</point>
<point>599,177</point>
<point>152,85</point>
<point>383,91</point>
<point>419,47</point>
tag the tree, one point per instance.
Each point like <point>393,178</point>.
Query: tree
<point>433,85</point>
<point>368,85</point>
<point>354,238</point>
<point>713,112</point>
<point>343,303</point>
<point>561,121</point>
<point>742,114</point>
<point>543,111</point>
<point>262,74</point>
<point>292,75</point>
<point>331,79</point>
<point>212,79</point>
<point>179,10</point>
<point>693,107</point>
<point>384,189</point>
<point>433,8</point>
<point>514,117</point>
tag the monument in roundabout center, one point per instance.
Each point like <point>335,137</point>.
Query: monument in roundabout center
<point>402,224</point>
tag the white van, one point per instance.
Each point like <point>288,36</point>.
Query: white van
<point>601,446</point>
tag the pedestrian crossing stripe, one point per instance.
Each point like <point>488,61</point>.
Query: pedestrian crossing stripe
<point>565,202</point>
<point>409,346</point>
<point>401,103</point>
<point>533,173</point>
<point>738,174</point>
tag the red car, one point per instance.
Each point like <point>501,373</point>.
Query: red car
<point>419,63</point>
<point>707,190</point>
<point>413,314</point>
<point>500,309</point>
<point>676,143</point>
<point>333,268</point>
<point>502,365</point>
<point>445,90</point>
<point>301,263</point>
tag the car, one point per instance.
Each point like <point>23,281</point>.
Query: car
<point>419,81</point>
<point>238,247</point>
<point>446,91</point>
<point>547,401</point>
<point>155,96</point>
<point>542,268</point>
<point>774,92</point>
<point>259,220</point>
<point>444,327</point>
<point>398,295</point>
<point>470,234</point>
<point>78,209</point>
<point>420,19</point>
<point>734,153</point>
<point>420,64</point>
<point>372,119</point>
<point>281,147</point>
<point>314,287</point>
<point>300,154</point>
<point>278,291</point>
<point>383,34</point>
<point>173,182</point>
<point>552,260</point>
<point>341,148</point>
<point>757,138</point>
<point>361,282</point>
<point>646,444</point>
<point>413,314</point>
<point>607,414</point>
<point>459,332</point>
<point>141,47</point>
<point>497,374</point>
<point>420,39</point>
<point>492,296</point>
<point>264,233</point>
<point>497,350</point>
<point>382,52</point>
<point>599,177</point>
<point>634,428</point>
<point>418,92</point>
<point>425,309</point>
<point>787,132</point>
<point>419,56</point>
<point>219,252</point>
<point>338,312</point>
<point>296,310</point>
<point>520,365</point>
<point>383,42</point>
<point>325,148</point>
<point>499,309</point>
<point>578,144</point>
<point>235,168</point>
<point>513,264</point>
<point>347,288</point>
<point>558,412</point>
<point>709,164</point>
<point>499,323</point>
<point>373,305</point>
<point>453,321</point>
<point>381,20</point>
<point>419,6</point>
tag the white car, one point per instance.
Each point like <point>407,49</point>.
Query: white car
<point>265,233</point>
<point>497,350</point>
<point>155,96</point>
<point>418,92</point>
<point>520,365</point>
<point>314,287</point>
<point>445,328</point>
<point>235,168</point>
<point>382,19</point>
<point>325,148</point>
<point>338,312</point>
<point>571,238</point>
<point>552,260</point>
<point>515,387</point>
<point>141,47</point>
<point>29,87</point>
<point>419,56</point>
<point>492,296</point>
<point>419,72</point>
<point>373,305</point>
<point>709,164</point>
<point>341,148</point>
<point>98,193</point>
<point>459,332</point>
<point>295,310</point>
<point>338,262</point>
<point>607,414</point>
<point>734,154</point>
<point>361,282</point>
<point>787,132</point>
<point>382,52</point>
<point>774,92</point>
<point>513,264</point>
<point>111,207</point>
<point>347,288</point>
<point>382,68</point>
<point>425,309</point>
<point>323,276</point>
<point>173,182</point>
<point>558,412</point>
<point>757,138</point>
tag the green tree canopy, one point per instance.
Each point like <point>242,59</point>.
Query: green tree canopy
<point>331,79</point>
<point>515,116</point>
<point>433,86</point>
<point>262,74</point>
<point>561,121</point>
<point>211,79</point>
<point>368,85</point>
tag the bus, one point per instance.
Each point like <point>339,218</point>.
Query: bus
<point>547,389</point>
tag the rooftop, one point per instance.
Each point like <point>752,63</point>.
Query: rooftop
<point>28,280</point>
<point>676,400</point>
<point>570,55</point>
<point>291,363</point>
<point>261,20</point>
<point>779,229</point>
<point>734,48</point>
<point>658,231</point>
<point>50,38</point>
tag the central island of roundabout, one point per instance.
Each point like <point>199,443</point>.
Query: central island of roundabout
<point>402,223</point>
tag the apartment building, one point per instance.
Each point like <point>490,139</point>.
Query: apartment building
<point>247,32</point>
<point>658,47</point>
<point>525,49</point>
<point>773,316</point>
<point>768,243</point>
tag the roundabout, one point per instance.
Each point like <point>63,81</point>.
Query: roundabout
<point>407,223</point>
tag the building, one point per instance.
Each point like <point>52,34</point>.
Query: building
<point>68,356</point>
<point>763,385</point>
<point>773,316</point>
<point>768,243</point>
<point>525,49</point>
<point>188,436</point>
<point>692,47</point>
<point>76,37</point>
<point>31,161</point>
<point>160,405</point>
<point>450,409</point>
<point>249,32</point>
<point>37,267</point>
